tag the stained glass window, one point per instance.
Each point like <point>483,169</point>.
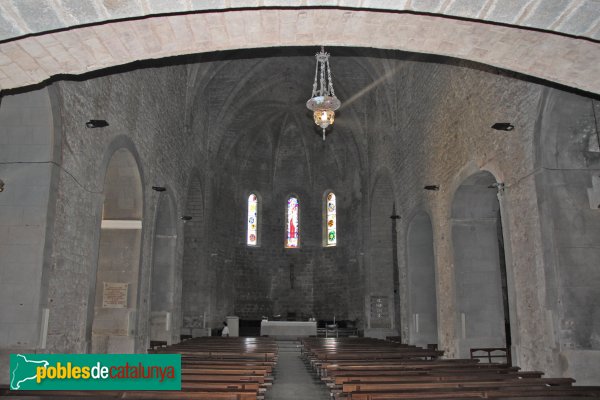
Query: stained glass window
<point>330,221</point>
<point>292,238</point>
<point>252,239</point>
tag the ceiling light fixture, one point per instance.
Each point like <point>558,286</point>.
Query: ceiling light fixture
<point>323,102</point>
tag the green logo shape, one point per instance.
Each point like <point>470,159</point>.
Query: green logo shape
<point>95,372</point>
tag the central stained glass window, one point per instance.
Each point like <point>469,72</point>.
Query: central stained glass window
<point>292,239</point>
<point>330,221</point>
<point>252,239</point>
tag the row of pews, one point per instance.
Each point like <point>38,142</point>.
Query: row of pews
<point>227,367</point>
<point>219,368</point>
<point>373,369</point>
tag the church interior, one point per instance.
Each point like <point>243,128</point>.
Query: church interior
<point>454,201</point>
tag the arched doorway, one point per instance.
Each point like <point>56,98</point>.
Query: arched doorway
<point>383,301</point>
<point>162,284</point>
<point>116,295</point>
<point>422,302</point>
<point>479,262</point>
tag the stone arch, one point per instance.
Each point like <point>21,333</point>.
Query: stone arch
<point>162,284</point>
<point>480,41</point>
<point>479,265</point>
<point>383,275</point>
<point>422,298</point>
<point>114,323</point>
<point>548,17</point>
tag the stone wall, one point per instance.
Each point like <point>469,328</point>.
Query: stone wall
<point>436,130</point>
<point>567,182</point>
<point>145,116</point>
<point>28,168</point>
<point>312,280</point>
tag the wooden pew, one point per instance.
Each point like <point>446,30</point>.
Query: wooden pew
<point>206,395</point>
<point>357,370</point>
<point>457,377</point>
<point>562,393</point>
<point>226,365</point>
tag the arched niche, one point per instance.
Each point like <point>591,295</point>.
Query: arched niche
<point>382,300</point>
<point>421,287</point>
<point>163,270</point>
<point>479,265</point>
<point>116,294</point>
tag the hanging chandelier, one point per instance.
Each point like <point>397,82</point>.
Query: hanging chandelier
<point>323,102</point>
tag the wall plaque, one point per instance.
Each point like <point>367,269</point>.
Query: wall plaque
<point>380,313</point>
<point>114,295</point>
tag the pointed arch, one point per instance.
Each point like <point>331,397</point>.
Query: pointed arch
<point>482,309</point>
<point>119,254</point>
<point>422,298</point>
<point>162,282</point>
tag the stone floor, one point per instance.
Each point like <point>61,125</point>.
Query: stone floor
<point>293,380</point>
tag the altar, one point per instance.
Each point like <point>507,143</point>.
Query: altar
<point>288,328</point>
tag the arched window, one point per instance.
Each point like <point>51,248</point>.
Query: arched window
<point>252,235</point>
<point>330,220</point>
<point>292,238</point>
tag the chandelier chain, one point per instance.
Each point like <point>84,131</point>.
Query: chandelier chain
<point>323,84</point>
<point>314,91</point>
<point>331,91</point>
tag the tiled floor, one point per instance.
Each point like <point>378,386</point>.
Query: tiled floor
<point>293,381</point>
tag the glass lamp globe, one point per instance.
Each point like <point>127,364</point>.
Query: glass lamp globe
<point>324,118</point>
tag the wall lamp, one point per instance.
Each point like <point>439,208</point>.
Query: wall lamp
<point>186,218</point>
<point>503,126</point>
<point>96,123</point>
<point>159,188</point>
<point>432,187</point>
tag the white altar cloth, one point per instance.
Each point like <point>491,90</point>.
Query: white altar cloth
<point>288,328</point>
